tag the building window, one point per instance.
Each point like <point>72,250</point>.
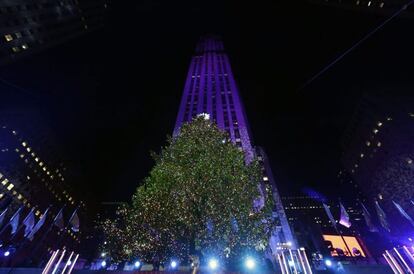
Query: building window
<point>8,37</point>
<point>10,187</point>
<point>25,46</point>
<point>15,49</point>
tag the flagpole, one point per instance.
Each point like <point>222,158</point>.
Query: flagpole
<point>40,242</point>
<point>21,226</point>
<point>6,225</point>
<point>336,228</point>
<point>62,236</point>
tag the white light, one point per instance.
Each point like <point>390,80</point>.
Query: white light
<point>137,264</point>
<point>328,263</point>
<point>213,264</point>
<point>69,263</point>
<point>289,243</point>
<point>103,254</point>
<point>173,264</point>
<point>250,263</point>
<point>7,253</point>
<point>103,264</point>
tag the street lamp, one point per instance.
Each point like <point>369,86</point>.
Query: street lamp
<point>213,264</point>
<point>250,263</point>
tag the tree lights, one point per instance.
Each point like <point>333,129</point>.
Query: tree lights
<point>198,198</point>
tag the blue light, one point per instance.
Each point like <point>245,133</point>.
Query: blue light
<point>328,263</point>
<point>103,264</point>
<point>213,264</point>
<point>7,253</point>
<point>173,264</point>
<point>137,264</point>
<point>250,263</point>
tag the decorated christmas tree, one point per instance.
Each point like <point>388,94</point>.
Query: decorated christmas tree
<point>198,199</point>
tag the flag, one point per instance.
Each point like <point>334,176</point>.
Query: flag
<point>382,217</point>
<point>368,220</point>
<point>3,215</point>
<point>38,225</point>
<point>74,221</point>
<point>29,222</point>
<point>404,213</point>
<point>58,221</point>
<point>14,221</point>
<point>328,212</point>
<point>344,219</point>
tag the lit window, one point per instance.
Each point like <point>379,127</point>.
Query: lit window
<point>4,182</point>
<point>379,124</point>
<point>411,114</point>
<point>378,144</point>
<point>41,164</point>
<point>382,5</point>
<point>375,130</point>
<point>14,132</point>
<point>356,165</point>
<point>362,155</point>
<point>37,213</point>
<point>44,168</point>
<point>389,118</point>
<point>10,187</point>
<point>33,154</point>
<point>8,37</point>
<point>380,196</point>
<point>37,159</point>
<point>25,46</point>
<point>369,3</point>
<point>17,150</point>
<point>368,143</point>
<point>409,161</point>
<point>24,144</point>
<point>28,149</point>
<point>28,177</point>
<point>1,175</point>
<point>1,195</point>
<point>22,156</point>
<point>19,196</point>
<point>15,49</point>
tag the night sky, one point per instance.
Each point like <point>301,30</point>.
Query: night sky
<point>112,95</point>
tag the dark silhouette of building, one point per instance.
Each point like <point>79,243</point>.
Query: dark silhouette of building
<point>33,176</point>
<point>27,26</point>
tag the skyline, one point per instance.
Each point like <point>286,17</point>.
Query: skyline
<point>283,124</point>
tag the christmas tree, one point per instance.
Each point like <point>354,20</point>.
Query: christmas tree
<point>199,198</point>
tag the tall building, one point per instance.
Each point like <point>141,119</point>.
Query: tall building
<point>378,152</point>
<point>27,26</point>
<point>34,177</point>
<point>211,88</point>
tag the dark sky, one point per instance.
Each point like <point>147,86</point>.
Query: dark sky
<point>112,95</point>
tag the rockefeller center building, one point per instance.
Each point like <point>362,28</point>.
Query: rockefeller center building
<point>210,88</point>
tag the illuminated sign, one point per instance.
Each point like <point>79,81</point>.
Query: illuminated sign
<point>344,246</point>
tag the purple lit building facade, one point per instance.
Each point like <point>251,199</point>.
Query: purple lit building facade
<point>211,88</point>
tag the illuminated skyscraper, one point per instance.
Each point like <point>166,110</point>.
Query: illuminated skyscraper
<point>211,88</point>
